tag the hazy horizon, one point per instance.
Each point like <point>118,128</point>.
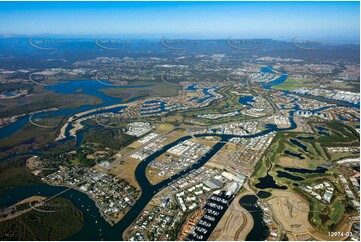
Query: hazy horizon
<point>332,21</point>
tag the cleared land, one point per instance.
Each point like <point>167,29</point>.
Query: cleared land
<point>292,212</point>
<point>235,223</point>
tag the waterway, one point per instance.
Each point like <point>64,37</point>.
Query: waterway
<point>268,182</point>
<point>95,227</point>
<point>318,170</point>
<point>148,191</point>
<point>299,144</point>
<point>203,231</point>
<point>101,229</point>
<point>297,155</point>
<point>287,175</point>
<point>86,87</point>
<point>260,230</point>
<point>246,100</point>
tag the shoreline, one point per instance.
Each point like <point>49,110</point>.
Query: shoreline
<point>228,227</point>
<point>104,216</point>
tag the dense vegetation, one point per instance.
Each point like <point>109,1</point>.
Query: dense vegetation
<point>35,225</point>
<point>14,173</point>
<point>112,138</point>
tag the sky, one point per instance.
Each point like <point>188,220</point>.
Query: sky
<point>278,20</point>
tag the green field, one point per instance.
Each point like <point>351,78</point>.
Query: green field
<point>229,103</point>
<point>44,99</point>
<point>293,84</point>
<point>338,135</point>
<point>156,89</point>
<point>328,216</point>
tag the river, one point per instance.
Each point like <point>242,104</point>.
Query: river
<point>88,87</point>
<point>95,227</point>
<point>101,229</point>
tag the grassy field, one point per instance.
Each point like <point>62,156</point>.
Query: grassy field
<point>328,216</point>
<point>313,151</point>
<point>292,84</point>
<point>339,134</point>
<point>260,170</point>
<point>230,103</point>
<point>45,100</point>
<point>29,134</point>
<point>157,89</point>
